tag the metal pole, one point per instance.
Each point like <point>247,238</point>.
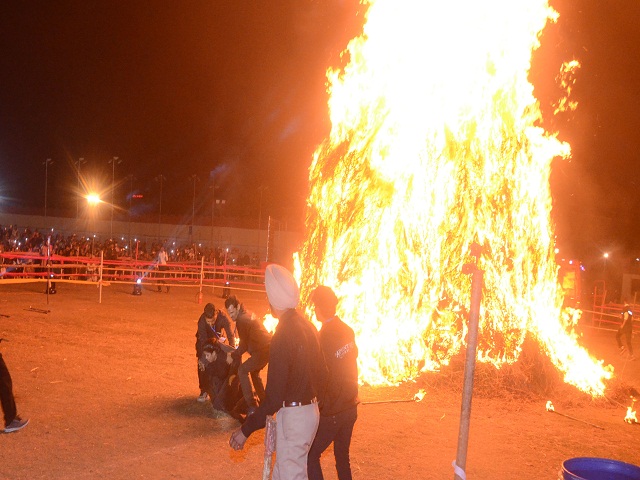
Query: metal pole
<point>113,188</point>
<point>213,204</point>
<point>266,259</point>
<point>80,162</point>
<point>46,184</point>
<point>131,178</point>
<point>193,208</point>
<point>161,179</point>
<point>470,363</point>
<point>262,188</point>
<point>48,267</point>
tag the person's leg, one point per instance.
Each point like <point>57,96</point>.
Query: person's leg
<point>6,394</point>
<point>261,360</point>
<point>296,428</point>
<point>618,338</point>
<point>322,440</point>
<point>245,383</point>
<point>342,441</point>
<point>203,383</point>
<point>627,335</point>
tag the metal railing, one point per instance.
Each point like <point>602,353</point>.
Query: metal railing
<point>30,267</point>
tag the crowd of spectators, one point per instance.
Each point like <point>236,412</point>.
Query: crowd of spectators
<point>23,240</point>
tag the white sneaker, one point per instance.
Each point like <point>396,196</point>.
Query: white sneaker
<point>203,397</point>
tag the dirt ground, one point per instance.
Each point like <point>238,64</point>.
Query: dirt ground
<point>110,390</point>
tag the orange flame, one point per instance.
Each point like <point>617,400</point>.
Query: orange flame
<point>435,144</point>
<point>631,417</point>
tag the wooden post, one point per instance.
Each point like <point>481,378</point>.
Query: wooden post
<point>470,363</point>
<point>100,279</point>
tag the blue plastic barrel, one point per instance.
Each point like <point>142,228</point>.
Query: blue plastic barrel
<point>589,468</point>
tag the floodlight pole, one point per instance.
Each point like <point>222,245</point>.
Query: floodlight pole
<point>470,363</point>
<point>160,178</point>
<point>193,206</point>
<point>46,185</point>
<point>262,189</point>
<point>113,162</point>
<point>79,163</point>
<point>131,179</point>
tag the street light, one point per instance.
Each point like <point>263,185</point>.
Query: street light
<point>193,205</point>
<point>46,184</point>
<point>160,178</point>
<point>131,179</point>
<point>262,188</point>
<point>113,162</point>
<point>80,161</point>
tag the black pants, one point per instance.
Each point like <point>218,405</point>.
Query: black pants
<point>252,367</point>
<point>163,276</point>
<point>627,335</point>
<point>6,394</point>
<point>337,429</point>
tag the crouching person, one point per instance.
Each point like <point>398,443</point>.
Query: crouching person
<point>223,387</point>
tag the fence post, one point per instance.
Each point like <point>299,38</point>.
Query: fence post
<point>100,280</point>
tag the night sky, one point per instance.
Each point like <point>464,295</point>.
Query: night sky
<point>234,92</point>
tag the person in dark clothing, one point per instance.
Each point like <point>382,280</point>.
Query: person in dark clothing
<point>255,340</point>
<point>338,397</point>
<point>210,326</point>
<point>12,420</point>
<point>296,371</point>
<point>223,387</point>
<point>626,331</point>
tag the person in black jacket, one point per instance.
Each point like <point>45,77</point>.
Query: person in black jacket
<point>296,370</point>
<point>255,340</point>
<point>210,326</point>
<point>338,398</point>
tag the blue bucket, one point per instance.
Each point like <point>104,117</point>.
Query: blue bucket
<point>588,468</point>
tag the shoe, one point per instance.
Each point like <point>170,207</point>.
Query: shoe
<point>632,357</point>
<point>203,397</point>
<point>15,425</point>
<point>251,410</point>
<point>622,350</point>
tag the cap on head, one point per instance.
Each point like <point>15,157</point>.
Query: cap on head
<point>209,310</point>
<point>282,289</point>
<point>325,300</point>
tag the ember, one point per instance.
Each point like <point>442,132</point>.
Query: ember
<point>435,144</point>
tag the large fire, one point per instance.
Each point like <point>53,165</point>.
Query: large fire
<point>436,143</point>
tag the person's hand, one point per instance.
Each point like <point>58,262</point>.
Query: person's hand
<point>237,440</point>
<point>200,365</point>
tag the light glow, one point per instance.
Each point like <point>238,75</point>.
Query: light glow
<point>93,198</point>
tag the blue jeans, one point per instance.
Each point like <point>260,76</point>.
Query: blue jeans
<point>337,429</point>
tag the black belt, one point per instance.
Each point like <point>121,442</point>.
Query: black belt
<point>299,404</point>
